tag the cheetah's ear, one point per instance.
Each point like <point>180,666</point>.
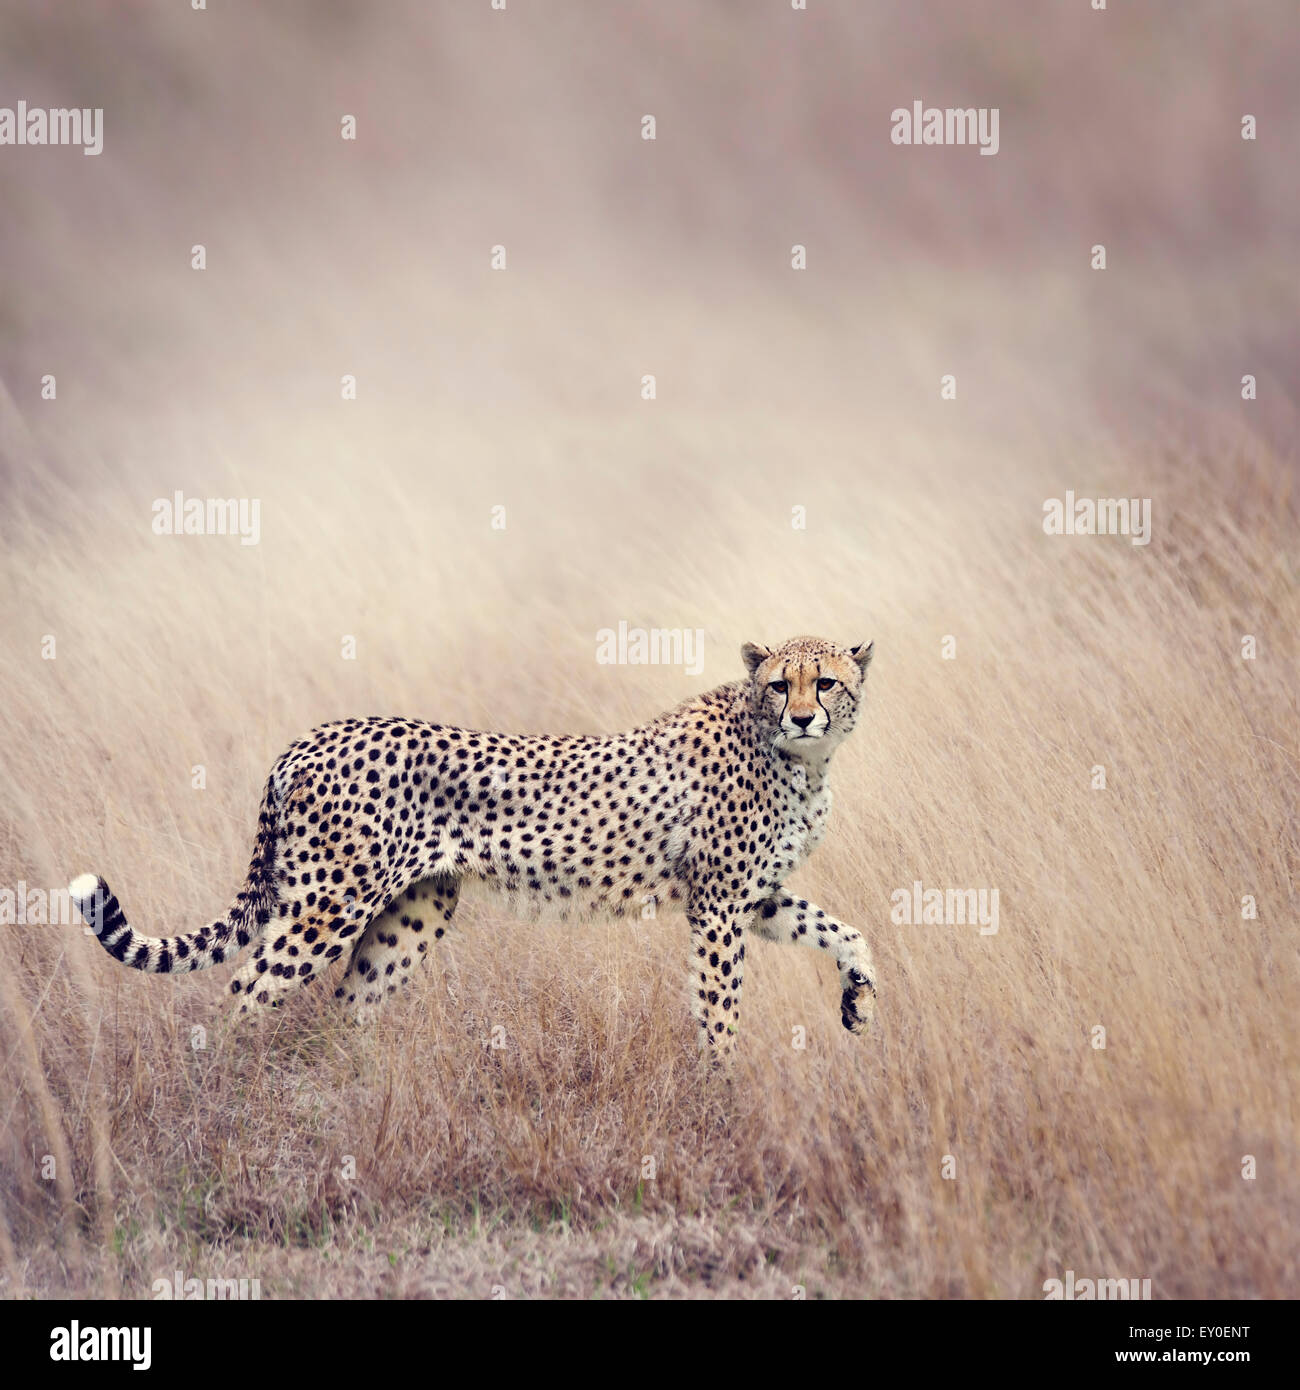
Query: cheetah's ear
<point>753,656</point>
<point>862,655</point>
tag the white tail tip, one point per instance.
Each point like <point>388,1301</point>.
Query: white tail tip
<point>83,886</point>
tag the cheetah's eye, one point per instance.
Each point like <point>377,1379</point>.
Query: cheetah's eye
<point>826,682</point>
<point>779,686</point>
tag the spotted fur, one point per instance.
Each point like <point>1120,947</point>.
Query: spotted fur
<point>369,827</point>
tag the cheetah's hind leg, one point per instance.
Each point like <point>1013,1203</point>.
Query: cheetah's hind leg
<point>395,942</point>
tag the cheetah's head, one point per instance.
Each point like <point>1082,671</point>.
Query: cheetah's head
<point>806,693</point>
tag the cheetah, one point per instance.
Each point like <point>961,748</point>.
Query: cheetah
<point>368,827</point>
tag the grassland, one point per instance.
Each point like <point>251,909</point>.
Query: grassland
<point>420,1161</point>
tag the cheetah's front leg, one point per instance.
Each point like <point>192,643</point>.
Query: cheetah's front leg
<point>783,917</point>
<point>717,972</point>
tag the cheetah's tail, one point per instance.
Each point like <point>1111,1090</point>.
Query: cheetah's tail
<point>211,945</point>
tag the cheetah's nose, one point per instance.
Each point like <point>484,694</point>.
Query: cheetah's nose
<point>803,720</point>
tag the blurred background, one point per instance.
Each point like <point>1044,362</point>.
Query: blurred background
<point>521,128</point>
<point>521,389</point>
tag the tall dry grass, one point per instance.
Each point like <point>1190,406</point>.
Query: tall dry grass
<point>1121,907</point>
